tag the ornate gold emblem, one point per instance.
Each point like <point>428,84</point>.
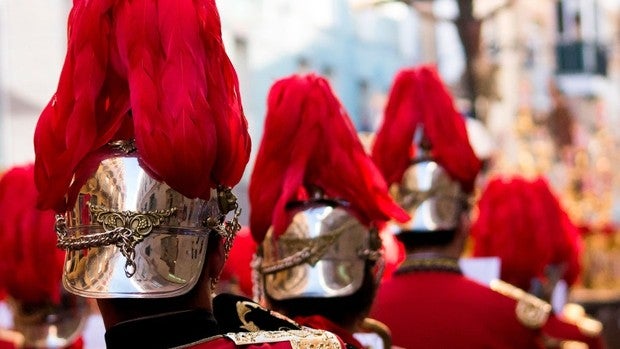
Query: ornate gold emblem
<point>299,339</point>
<point>243,309</point>
<point>124,229</point>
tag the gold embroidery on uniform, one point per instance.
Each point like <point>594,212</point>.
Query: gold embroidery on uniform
<point>243,308</point>
<point>531,311</point>
<point>299,339</point>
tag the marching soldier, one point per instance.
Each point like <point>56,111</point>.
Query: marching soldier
<point>423,151</point>
<point>522,222</point>
<point>317,201</point>
<point>137,151</point>
<point>43,314</point>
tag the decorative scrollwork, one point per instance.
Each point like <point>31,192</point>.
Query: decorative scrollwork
<point>308,250</point>
<point>124,229</point>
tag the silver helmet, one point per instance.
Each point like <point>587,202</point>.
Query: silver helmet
<point>322,253</point>
<point>433,199</point>
<point>132,236</point>
<point>50,325</point>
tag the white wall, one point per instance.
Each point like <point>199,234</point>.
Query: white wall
<point>32,46</point>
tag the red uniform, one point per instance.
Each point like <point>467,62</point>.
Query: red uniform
<point>440,309</point>
<point>320,322</point>
<point>543,245</point>
<point>558,330</point>
<point>268,339</point>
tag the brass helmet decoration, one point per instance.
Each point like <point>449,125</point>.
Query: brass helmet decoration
<point>423,151</point>
<point>316,198</point>
<point>138,149</point>
<point>43,314</point>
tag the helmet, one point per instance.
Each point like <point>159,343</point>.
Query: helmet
<point>423,151</point>
<point>131,236</point>
<point>44,314</point>
<point>322,253</point>
<point>139,159</point>
<point>316,197</point>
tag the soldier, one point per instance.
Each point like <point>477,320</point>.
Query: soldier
<point>138,151</point>
<point>43,314</point>
<point>423,151</point>
<point>316,203</point>
<point>522,222</point>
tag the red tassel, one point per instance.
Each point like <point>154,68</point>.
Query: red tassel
<point>153,71</point>
<point>31,265</point>
<point>309,140</point>
<point>419,98</point>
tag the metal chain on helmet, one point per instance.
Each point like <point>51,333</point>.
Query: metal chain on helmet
<point>123,237</point>
<point>77,243</point>
<point>227,202</point>
<point>228,229</point>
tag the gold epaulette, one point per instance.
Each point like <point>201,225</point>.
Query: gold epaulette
<point>575,314</point>
<point>305,338</point>
<point>531,311</point>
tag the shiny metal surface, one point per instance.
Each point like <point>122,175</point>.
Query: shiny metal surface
<point>433,199</point>
<point>321,254</point>
<point>51,326</point>
<point>155,242</point>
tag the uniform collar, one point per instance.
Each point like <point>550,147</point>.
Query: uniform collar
<point>162,330</point>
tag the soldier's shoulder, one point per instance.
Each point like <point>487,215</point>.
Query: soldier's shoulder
<point>302,338</point>
<point>531,311</point>
<point>246,322</point>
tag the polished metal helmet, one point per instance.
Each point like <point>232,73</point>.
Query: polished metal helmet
<point>322,253</point>
<point>50,325</point>
<point>132,236</point>
<point>433,199</point>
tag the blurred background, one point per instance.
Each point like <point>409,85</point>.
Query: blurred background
<point>543,76</point>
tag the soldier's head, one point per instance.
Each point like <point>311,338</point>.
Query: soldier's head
<point>139,148</point>
<point>423,151</point>
<point>316,201</point>
<point>522,222</point>
<point>44,314</point>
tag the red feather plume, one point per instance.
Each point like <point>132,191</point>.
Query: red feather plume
<point>418,98</point>
<point>155,71</point>
<point>309,140</point>
<point>31,265</point>
<point>523,223</point>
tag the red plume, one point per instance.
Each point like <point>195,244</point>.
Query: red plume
<point>522,222</point>
<point>309,140</point>
<point>155,71</point>
<point>31,265</point>
<point>417,98</point>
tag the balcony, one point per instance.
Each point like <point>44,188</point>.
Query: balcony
<point>581,58</point>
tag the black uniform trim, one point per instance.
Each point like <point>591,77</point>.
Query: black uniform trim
<point>162,331</point>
